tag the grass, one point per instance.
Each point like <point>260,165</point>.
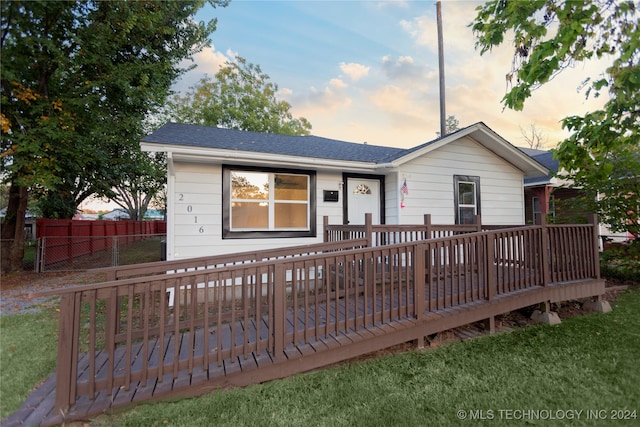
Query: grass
<point>28,346</point>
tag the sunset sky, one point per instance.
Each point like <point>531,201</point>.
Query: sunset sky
<point>367,71</point>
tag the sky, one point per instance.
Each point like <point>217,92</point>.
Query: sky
<point>367,71</point>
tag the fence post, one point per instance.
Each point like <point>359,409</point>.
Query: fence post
<point>427,226</point>
<point>115,255</point>
<point>593,220</point>
<point>70,229</point>
<point>369,229</point>
<point>544,249</point>
<point>39,254</point>
<point>67,345</point>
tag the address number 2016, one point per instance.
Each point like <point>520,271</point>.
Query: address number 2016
<point>189,210</point>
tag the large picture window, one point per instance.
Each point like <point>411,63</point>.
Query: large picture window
<point>268,203</point>
<point>467,198</point>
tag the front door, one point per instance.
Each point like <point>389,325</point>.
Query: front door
<point>363,196</point>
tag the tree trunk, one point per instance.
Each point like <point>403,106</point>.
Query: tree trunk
<point>13,229</point>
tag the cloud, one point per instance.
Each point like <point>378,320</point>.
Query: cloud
<point>337,84</point>
<point>423,30</point>
<point>396,3</point>
<point>208,61</point>
<point>354,71</point>
<point>284,92</point>
<point>391,98</point>
<point>319,101</point>
<point>403,107</point>
<point>404,69</point>
<point>456,33</point>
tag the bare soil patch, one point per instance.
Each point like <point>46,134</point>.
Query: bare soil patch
<point>19,291</point>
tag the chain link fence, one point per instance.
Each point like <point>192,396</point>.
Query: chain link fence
<point>29,258</point>
<point>71,253</point>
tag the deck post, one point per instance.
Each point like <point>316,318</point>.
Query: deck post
<point>325,230</point>
<point>427,226</point>
<point>544,251</point>
<point>65,372</point>
<point>279,309</point>
<point>593,220</point>
<point>478,222</point>
<point>597,303</point>
<point>489,261</point>
<point>490,324</point>
<point>368,222</point>
<point>419,279</point>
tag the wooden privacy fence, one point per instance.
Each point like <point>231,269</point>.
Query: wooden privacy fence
<point>124,333</point>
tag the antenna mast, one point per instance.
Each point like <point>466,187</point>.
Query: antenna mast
<point>443,120</point>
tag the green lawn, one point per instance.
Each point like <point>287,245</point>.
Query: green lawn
<point>28,346</point>
<point>587,363</point>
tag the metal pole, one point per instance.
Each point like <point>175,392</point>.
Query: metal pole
<point>443,120</point>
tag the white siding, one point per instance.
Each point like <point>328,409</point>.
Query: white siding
<point>392,198</point>
<point>195,198</point>
<point>430,182</point>
<point>195,221</point>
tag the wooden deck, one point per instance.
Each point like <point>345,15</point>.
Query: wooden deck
<point>189,327</point>
<point>259,366</point>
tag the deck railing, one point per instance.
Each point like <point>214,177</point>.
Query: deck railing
<point>215,261</point>
<point>386,234</point>
<point>113,334</point>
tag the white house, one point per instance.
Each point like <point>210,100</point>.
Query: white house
<point>231,190</point>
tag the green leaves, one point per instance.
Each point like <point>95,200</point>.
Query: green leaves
<point>239,96</point>
<point>601,156</point>
<point>78,80</point>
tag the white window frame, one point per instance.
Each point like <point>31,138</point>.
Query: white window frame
<point>466,179</point>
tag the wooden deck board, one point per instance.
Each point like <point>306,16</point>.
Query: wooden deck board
<point>371,334</point>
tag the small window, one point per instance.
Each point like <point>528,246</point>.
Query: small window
<point>362,189</point>
<point>268,203</point>
<point>467,198</point>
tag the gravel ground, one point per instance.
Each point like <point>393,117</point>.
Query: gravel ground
<point>19,291</point>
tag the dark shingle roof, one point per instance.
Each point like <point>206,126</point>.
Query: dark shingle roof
<point>546,159</point>
<point>310,147</point>
<point>239,140</point>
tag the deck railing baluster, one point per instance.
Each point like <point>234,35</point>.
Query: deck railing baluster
<point>146,310</point>
<point>92,342</point>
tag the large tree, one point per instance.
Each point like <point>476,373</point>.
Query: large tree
<point>77,80</point>
<point>142,183</point>
<point>602,155</point>
<point>239,96</point>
